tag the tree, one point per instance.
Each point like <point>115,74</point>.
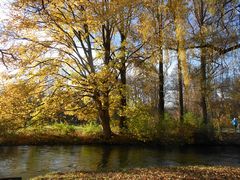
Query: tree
<point>157,12</point>
<point>179,12</point>
<point>70,42</point>
<point>17,106</point>
<point>125,16</point>
<point>213,20</point>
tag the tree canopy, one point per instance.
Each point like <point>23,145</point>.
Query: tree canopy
<point>101,60</point>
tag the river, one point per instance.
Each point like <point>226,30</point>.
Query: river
<point>31,161</point>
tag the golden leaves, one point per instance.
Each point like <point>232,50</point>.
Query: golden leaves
<point>187,172</point>
<point>16,105</point>
<point>147,28</point>
<point>180,30</point>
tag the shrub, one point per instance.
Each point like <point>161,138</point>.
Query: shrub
<point>91,128</point>
<point>63,128</point>
<point>141,122</point>
<point>167,127</point>
<point>191,125</point>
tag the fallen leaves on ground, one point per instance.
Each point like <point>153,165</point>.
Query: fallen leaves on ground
<point>188,172</point>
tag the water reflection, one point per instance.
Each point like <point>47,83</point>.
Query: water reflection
<point>30,161</point>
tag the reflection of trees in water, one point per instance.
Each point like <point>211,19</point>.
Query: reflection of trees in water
<point>9,153</point>
<point>32,160</point>
<point>89,158</point>
<point>22,161</point>
<point>40,160</point>
<point>123,157</point>
<point>29,161</point>
<point>113,158</point>
<point>106,153</point>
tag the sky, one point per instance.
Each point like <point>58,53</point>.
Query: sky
<point>2,17</point>
<point>4,10</point>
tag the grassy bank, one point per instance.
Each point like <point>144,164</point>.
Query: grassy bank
<point>189,172</point>
<point>62,134</point>
<point>47,139</point>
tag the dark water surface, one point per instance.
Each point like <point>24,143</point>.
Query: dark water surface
<point>31,161</point>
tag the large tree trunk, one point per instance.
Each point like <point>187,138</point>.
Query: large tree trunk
<point>104,117</point>
<point>160,64</point>
<point>122,123</point>
<point>203,81</point>
<point>123,70</point>
<point>105,121</point>
<point>161,86</point>
<point>180,91</point>
<point>103,103</point>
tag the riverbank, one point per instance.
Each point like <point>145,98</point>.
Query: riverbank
<point>225,139</point>
<point>46,139</point>
<point>68,135</point>
<point>188,172</point>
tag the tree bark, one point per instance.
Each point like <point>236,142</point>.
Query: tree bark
<point>105,121</point>
<point>203,81</point>
<point>161,101</point>
<point>123,71</point>
<point>103,103</point>
<point>103,114</point>
<point>122,123</point>
<point>180,91</point>
<point>161,86</point>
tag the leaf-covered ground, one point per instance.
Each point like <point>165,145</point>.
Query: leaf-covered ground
<point>189,172</point>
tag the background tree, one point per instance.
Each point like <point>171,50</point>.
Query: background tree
<point>17,104</point>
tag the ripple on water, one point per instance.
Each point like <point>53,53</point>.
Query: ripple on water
<point>30,161</point>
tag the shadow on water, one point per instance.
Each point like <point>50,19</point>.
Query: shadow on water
<point>105,158</point>
<point>30,161</point>
<point>112,158</point>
